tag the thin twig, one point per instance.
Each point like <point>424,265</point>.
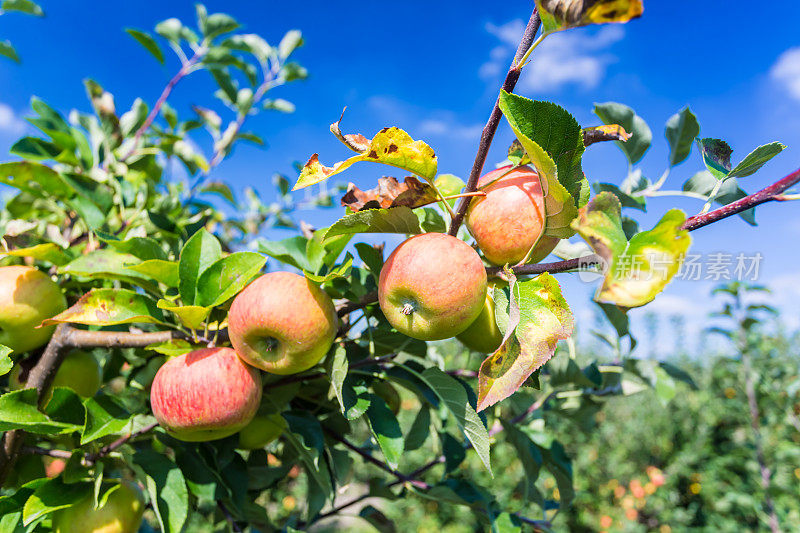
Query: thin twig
<point>186,67</point>
<point>494,120</point>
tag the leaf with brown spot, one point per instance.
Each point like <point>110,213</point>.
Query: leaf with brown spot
<point>606,132</point>
<point>109,307</point>
<point>560,15</point>
<point>355,141</point>
<point>390,193</point>
<point>390,146</point>
<point>535,316</point>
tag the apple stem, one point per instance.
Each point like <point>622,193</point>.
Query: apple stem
<point>407,309</point>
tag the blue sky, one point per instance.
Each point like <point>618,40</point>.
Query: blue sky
<point>433,69</point>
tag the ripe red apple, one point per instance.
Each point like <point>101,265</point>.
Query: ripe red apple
<point>432,286</point>
<point>282,323</point>
<point>507,222</point>
<point>121,513</point>
<point>205,394</point>
<point>79,371</point>
<point>27,296</point>
<point>483,335</point>
<point>262,430</point>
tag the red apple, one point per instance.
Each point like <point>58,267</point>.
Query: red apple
<point>27,297</point>
<point>507,222</point>
<point>121,513</point>
<point>432,286</point>
<point>282,323</point>
<point>205,395</point>
<point>483,335</point>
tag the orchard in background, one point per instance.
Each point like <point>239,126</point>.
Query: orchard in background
<point>222,386</point>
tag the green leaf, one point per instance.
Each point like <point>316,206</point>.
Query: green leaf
<point>62,414</point>
<point>681,130</point>
<point>6,50</point>
<point>390,146</point>
<point>419,430</point>
<point>170,29</point>
<point>560,15</point>
<point>217,24</point>
<point>34,178</point>
<point>371,256</point>
<point>227,276</point>
<point>338,373</point>
<point>641,136</point>
<point>291,251</point>
<point>52,496</point>
<point>355,398</point>
<point>306,437</point>
<point>146,40</point>
<point>105,264</point>
<point>756,159</point>
<point>555,131</point>
<point>144,248</point>
<point>278,104</point>
<point>50,252</point>
<point>540,317</point>
<point>455,400</point>
<point>191,316</point>
<point>341,271</point>
<point>200,252</point>
<point>635,271</point>
<point>165,272</point>
<point>529,457</point>
<point>291,41</point>
<point>220,188</point>
<point>716,156</point>
<point>556,461</point>
<point>394,220</point>
<point>6,363</point>
<point>166,486</point>
<point>431,221</point>
<point>23,6</point>
<point>386,430</point>
<point>108,307</point>
<point>173,348</point>
<point>105,415</point>
<point>635,202</point>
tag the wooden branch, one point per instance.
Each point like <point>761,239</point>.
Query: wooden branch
<point>494,120</point>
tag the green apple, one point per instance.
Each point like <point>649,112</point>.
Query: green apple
<point>121,513</point>
<point>262,430</point>
<point>483,335</point>
<point>388,393</point>
<point>510,219</point>
<point>205,395</point>
<point>79,371</point>
<point>432,287</point>
<point>27,297</point>
<point>282,323</point>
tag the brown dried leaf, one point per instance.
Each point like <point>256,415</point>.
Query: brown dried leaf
<point>390,193</point>
<point>355,141</point>
<point>606,132</point>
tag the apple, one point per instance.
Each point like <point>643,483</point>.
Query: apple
<point>205,395</point>
<point>27,297</point>
<point>262,430</point>
<point>282,323</point>
<point>121,513</point>
<point>432,286</point>
<point>389,395</point>
<point>79,371</point>
<point>483,335</point>
<point>510,219</point>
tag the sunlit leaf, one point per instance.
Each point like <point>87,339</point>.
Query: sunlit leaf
<point>390,146</point>
<point>49,252</point>
<point>640,134</point>
<point>560,15</point>
<point>681,130</point>
<point>395,220</point>
<point>191,316</point>
<point>146,40</point>
<point>107,307</point>
<point>635,271</point>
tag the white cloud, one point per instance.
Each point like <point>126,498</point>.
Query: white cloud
<point>451,128</point>
<point>786,71</point>
<point>565,58</point>
<point>9,122</point>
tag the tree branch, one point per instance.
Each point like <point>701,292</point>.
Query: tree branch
<point>767,194</point>
<point>494,119</point>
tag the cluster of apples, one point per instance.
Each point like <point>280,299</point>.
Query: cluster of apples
<point>433,286</point>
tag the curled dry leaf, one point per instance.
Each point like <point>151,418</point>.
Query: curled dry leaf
<point>606,132</point>
<point>562,14</point>
<point>355,141</point>
<point>390,193</point>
